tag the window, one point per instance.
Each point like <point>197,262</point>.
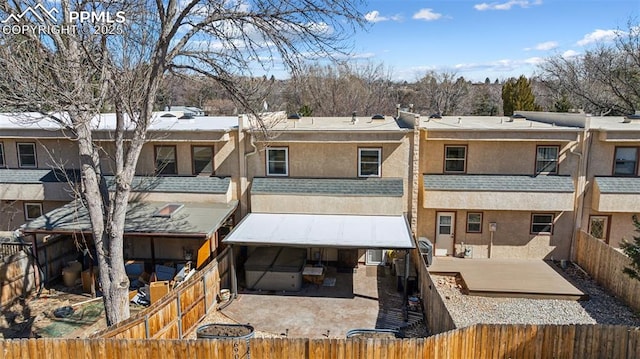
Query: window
<point>474,222</point>
<point>202,159</point>
<point>369,162</point>
<point>542,223</point>
<point>277,161</point>
<point>2,163</point>
<point>166,160</point>
<point>455,158</point>
<point>625,161</point>
<point>599,226</point>
<point>547,159</point>
<point>32,211</point>
<point>27,155</point>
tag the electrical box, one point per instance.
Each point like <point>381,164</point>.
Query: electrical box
<point>493,226</point>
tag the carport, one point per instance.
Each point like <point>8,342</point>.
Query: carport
<point>321,231</point>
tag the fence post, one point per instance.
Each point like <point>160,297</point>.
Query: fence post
<point>179,314</point>
<point>204,291</point>
<point>146,327</point>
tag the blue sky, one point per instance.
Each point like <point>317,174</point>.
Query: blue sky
<point>478,39</point>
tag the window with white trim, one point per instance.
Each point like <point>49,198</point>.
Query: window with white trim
<point>455,158</point>
<point>27,155</point>
<point>542,223</point>
<point>369,160</point>
<point>32,211</point>
<point>277,161</point>
<point>474,222</point>
<point>625,161</point>
<point>547,159</point>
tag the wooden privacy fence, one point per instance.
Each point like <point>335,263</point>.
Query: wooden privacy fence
<point>177,314</point>
<point>54,254</point>
<point>605,264</point>
<point>17,272</point>
<point>438,318</point>
<point>478,341</point>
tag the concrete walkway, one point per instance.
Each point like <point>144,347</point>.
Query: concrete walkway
<point>509,278</point>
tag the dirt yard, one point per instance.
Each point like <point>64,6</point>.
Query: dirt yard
<point>35,317</point>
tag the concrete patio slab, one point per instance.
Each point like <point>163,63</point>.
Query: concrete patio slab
<point>366,299</point>
<point>509,278</point>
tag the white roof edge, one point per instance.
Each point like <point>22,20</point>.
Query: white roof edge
<point>323,230</point>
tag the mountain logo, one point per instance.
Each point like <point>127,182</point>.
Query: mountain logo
<point>39,12</point>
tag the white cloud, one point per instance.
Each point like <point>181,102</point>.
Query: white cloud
<point>545,46</point>
<point>506,5</point>
<point>599,36</point>
<point>427,15</point>
<point>570,53</point>
<point>374,16</point>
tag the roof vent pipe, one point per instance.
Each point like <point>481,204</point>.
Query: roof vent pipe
<point>354,119</point>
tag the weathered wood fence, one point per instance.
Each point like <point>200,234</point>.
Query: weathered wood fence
<point>54,254</point>
<point>478,341</point>
<point>438,318</point>
<point>605,264</point>
<point>17,272</point>
<point>176,315</point>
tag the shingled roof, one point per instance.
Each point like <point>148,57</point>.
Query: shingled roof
<point>502,183</point>
<point>388,187</point>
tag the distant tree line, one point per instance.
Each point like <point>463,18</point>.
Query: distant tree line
<point>602,81</point>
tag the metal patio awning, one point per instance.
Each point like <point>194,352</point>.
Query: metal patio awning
<point>322,230</point>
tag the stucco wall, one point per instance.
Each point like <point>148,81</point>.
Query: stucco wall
<point>337,160</point>
<point>225,157</point>
<point>512,238</point>
<point>50,153</point>
<point>358,205</point>
<point>495,157</point>
<point>12,212</point>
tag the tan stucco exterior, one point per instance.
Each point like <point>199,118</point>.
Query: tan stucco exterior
<point>361,205</point>
<point>512,238</point>
<point>499,152</point>
<point>317,159</point>
<point>618,208</point>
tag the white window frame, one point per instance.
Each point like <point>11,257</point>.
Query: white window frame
<point>35,155</point>
<point>286,161</point>
<point>539,223</point>
<point>378,162</point>
<point>26,212</point>
<point>545,161</point>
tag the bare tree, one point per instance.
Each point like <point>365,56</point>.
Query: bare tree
<point>338,90</point>
<point>605,80</point>
<point>441,93</point>
<point>72,75</point>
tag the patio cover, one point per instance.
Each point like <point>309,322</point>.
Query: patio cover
<point>198,220</point>
<point>322,230</point>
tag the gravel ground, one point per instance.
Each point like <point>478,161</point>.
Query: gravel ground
<point>601,308</point>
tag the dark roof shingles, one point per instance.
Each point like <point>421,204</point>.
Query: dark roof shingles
<point>499,183</point>
<point>388,187</point>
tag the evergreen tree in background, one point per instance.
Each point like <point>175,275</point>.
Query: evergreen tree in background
<point>632,250</point>
<point>517,95</point>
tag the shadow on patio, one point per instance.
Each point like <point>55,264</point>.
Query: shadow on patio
<point>368,298</point>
